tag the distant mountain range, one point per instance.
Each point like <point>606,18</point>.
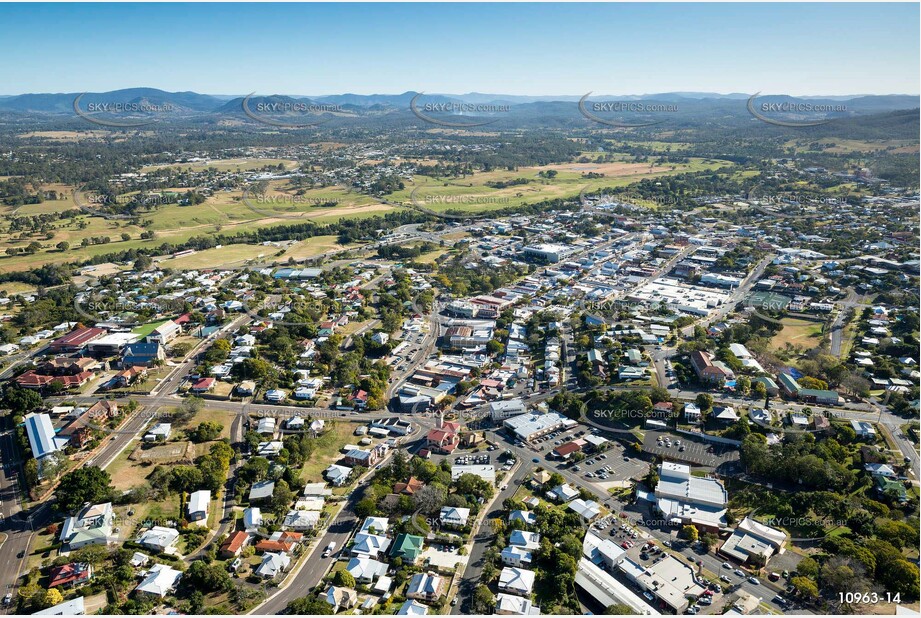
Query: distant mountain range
<point>62,103</point>
<point>142,107</point>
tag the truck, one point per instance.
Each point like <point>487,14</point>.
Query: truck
<point>329,549</point>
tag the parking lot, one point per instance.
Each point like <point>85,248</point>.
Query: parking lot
<point>682,447</point>
<point>611,466</point>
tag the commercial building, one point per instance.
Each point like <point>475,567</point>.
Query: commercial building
<point>684,499</point>
<point>754,543</point>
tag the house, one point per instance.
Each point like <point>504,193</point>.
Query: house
<point>271,449</point>
<point>204,385</point>
<point>159,581</point>
<point>424,587</point>
<point>197,507</point>
<point>73,607</point>
<point>864,430</point>
<point>246,388</point>
<point>275,395</point>
<point>252,519</point>
<point>366,570</point>
<point>301,520</point>
<point>266,426</point>
<point>563,493</point>
<point>409,487</point>
<point>516,556</point>
<point>159,538</point>
<point>128,376</point>
<point>568,449</point>
<point>890,489</point>
<point>525,517</point>
<point>70,575</point>
<point>692,413</point>
<point>159,433</point>
<point>587,509</point>
<point>340,598</point>
<point>337,475</point>
<point>273,565</point>
<point>365,459</point>
<point>233,546</point>
<point>408,547</point>
<point>511,605</point>
<point>369,545</point>
<point>375,525</point>
<point>283,541</point>
<point>880,469</point>
<point>515,580</point>
<point>524,539</point>
<point>92,525</point>
<point>140,354</point>
<point>724,414</point>
<point>413,608</point>
<point>261,490</point>
<point>455,517</point>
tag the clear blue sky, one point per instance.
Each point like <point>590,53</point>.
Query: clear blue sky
<point>800,49</point>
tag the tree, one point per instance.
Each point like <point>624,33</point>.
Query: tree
<point>307,606</point>
<point>87,484</point>
<point>618,609</point>
<point>709,540</point>
<point>808,567</point>
<point>760,390</point>
<point>689,533</point>
<point>143,262</point>
<point>805,587</point>
<point>63,245</point>
<point>206,431</point>
<point>704,401</point>
<point>53,596</point>
<point>344,578</point>
<point>482,601</point>
<point>20,401</point>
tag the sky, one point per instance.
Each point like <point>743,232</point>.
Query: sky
<point>523,49</point>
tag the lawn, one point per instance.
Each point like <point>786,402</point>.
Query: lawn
<point>327,450</point>
<point>798,332</point>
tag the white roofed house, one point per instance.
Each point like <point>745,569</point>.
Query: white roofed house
<point>165,333</point>
<point>252,518</point>
<point>511,605</point>
<point>197,507</point>
<point>515,580</point>
<point>375,525</point>
<point>300,521</point>
<point>273,564</point>
<point>159,538</point>
<point>159,581</point>
<point>525,517</point>
<point>424,587</point>
<point>516,556</point>
<point>337,475</point>
<point>366,570</point>
<point>369,545</point>
<point>524,539</point>
<point>454,517</point>
<point>587,509</point>
<point>413,608</point>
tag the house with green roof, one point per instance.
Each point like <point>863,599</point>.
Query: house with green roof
<point>888,487</point>
<point>408,547</point>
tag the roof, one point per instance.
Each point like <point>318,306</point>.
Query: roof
<point>41,435</point>
<point>514,578</point>
<point>73,607</point>
<point>199,501</point>
<point>160,580</point>
<point>426,584</point>
<point>413,608</point>
<point>235,541</point>
<point>408,545</point>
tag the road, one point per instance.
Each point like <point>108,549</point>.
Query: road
<point>484,537</point>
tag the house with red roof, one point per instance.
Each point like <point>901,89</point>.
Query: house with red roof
<point>70,575</point>
<point>204,385</point>
<point>233,546</point>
